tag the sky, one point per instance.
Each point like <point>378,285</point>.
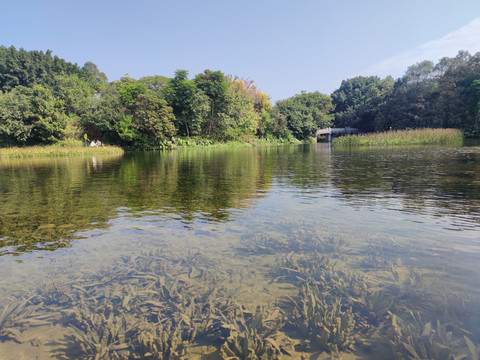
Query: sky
<point>284,46</point>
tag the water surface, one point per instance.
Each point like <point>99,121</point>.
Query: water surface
<point>367,253</point>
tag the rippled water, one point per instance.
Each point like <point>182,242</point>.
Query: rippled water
<point>385,240</point>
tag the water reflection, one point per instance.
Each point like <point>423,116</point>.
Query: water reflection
<point>295,251</point>
<point>44,202</point>
<point>434,181</point>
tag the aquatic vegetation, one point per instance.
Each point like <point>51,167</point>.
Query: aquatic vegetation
<point>55,151</point>
<point>380,255</point>
<point>324,321</point>
<point>159,314</point>
<point>18,315</point>
<point>255,335</point>
<point>160,341</point>
<point>299,240</point>
<point>402,138</point>
<point>331,277</point>
<point>103,337</point>
<point>180,305</point>
<point>413,339</point>
<point>331,305</point>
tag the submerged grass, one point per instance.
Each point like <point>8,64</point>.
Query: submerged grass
<point>164,305</point>
<point>56,151</point>
<point>403,138</point>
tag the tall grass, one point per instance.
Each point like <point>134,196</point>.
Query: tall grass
<point>403,138</point>
<point>56,151</point>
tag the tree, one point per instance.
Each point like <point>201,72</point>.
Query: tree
<point>180,94</point>
<point>358,101</point>
<point>214,85</point>
<point>129,91</point>
<point>279,124</point>
<point>238,117</point>
<point>75,92</point>
<point>106,112</point>
<point>15,114</point>
<point>28,68</point>
<point>440,95</point>
<point>153,117</point>
<point>305,113</point>
<point>155,83</point>
<point>91,69</point>
<point>31,116</point>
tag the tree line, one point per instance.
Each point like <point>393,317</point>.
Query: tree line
<point>45,99</point>
<point>428,95</point>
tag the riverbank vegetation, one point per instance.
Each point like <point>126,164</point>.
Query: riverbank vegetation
<point>53,151</point>
<point>441,95</point>
<point>403,138</point>
<point>45,100</point>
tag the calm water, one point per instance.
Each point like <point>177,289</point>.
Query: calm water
<point>301,250</point>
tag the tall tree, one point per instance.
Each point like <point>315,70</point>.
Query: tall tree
<point>31,116</point>
<point>180,94</point>
<point>153,117</point>
<point>214,85</point>
<point>306,113</point>
<point>156,82</point>
<point>358,100</point>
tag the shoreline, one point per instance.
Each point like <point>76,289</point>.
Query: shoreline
<point>64,151</point>
<point>56,151</point>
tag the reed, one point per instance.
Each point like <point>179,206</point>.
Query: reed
<point>403,138</point>
<point>56,151</point>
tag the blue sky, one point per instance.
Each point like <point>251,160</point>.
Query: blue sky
<point>283,46</point>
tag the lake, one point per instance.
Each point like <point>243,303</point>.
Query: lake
<point>298,251</point>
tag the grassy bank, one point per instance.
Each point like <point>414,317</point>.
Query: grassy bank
<point>403,138</point>
<point>74,149</point>
<point>54,151</point>
<point>199,141</point>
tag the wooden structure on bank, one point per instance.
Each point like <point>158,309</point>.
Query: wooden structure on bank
<point>329,132</point>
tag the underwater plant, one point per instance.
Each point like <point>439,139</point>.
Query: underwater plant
<point>255,335</point>
<point>412,339</point>
<point>160,341</point>
<point>324,321</point>
<point>18,315</point>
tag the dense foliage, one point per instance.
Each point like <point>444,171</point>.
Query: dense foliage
<point>442,95</point>
<point>358,101</point>
<point>306,113</point>
<point>45,99</point>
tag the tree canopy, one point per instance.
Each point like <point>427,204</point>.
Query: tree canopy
<point>441,95</point>
<point>305,113</point>
<point>45,99</point>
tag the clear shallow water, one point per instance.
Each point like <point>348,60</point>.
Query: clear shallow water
<point>385,240</point>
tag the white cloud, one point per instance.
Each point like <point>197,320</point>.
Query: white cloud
<point>465,38</point>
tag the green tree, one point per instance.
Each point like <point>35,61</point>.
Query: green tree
<point>279,124</point>
<point>75,92</point>
<point>155,83</point>
<point>305,113</point>
<point>16,116</point>
<point>435,95</point>
<point>107,111</point>
<point>31,116</point>
<point>180,94</point>
<point>214,85</point>
<point>129,91</point>
<point>92,70</point>
<point>358,100</point>
<point>238,118</point>
<point>153,117</point>
<point>28,68</point>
